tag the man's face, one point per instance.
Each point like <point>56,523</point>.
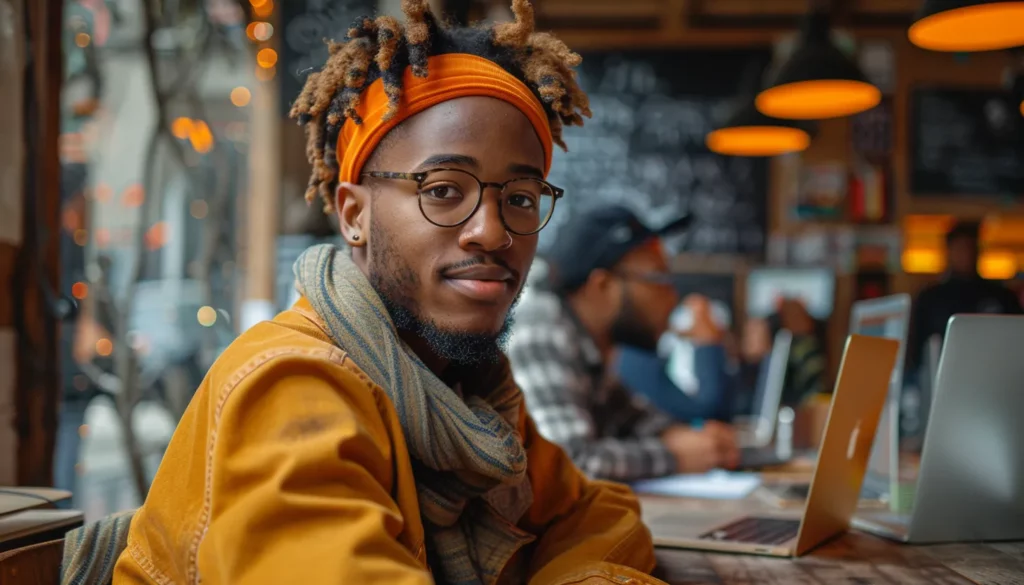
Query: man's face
<point>453,288</point>
<point>962,255</point>
<point>647,299</point>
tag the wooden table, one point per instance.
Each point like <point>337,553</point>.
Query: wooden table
<point>855,558</point>
<point>852,559</point>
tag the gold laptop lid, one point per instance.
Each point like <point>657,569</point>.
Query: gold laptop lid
<point>857,401</point>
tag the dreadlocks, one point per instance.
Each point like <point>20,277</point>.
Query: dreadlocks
<point>382,48</point>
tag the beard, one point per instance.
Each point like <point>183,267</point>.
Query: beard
<point>396,282</point>
<point>629,328</point>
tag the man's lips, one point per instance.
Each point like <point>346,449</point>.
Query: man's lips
<point>482,282</point>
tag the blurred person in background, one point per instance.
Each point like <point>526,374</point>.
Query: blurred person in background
<point>608,284</point>
<point>691,375</point>
<point>373,433</point>
<point>701,372</point>
<point>961,290</point>
<point>806,367</point>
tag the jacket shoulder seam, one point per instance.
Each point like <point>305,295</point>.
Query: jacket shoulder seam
<point>331,354</point>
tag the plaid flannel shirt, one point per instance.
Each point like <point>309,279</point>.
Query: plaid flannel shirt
<point>609,433</point>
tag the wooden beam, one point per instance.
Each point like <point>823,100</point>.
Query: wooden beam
<point>37,370</point>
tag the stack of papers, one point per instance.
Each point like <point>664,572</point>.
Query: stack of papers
<point>714,485</point>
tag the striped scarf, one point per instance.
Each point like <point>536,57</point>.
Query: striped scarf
<point>90,552</point>
<point>466,453</point>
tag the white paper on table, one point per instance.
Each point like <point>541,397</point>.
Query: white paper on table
<point>714,485</point>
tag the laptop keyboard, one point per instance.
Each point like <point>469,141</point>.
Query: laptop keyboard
<point>756,531</point>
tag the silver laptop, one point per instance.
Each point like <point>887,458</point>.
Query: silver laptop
<point>887,317</point>
<point>857,402</point>
<point>757,430</point>
<point>970,484</point>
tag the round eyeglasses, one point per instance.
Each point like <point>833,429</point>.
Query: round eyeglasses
<point>449,197</point>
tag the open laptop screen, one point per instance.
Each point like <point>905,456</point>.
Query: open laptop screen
<point>887,317</point>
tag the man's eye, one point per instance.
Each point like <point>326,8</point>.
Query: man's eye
<point>442,192</point>
<point>521,200</point>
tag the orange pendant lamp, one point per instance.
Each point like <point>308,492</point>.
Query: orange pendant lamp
<point>818,81</point>
<point>748,132</point>
<point>963,26</point>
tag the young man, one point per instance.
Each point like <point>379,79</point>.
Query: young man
<point>373,433</point>
<point>609,285</point>
<point>962,290</point>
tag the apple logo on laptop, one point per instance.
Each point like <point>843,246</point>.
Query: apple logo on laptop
<point>851,449</point>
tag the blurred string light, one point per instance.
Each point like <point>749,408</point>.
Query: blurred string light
<point>259,31</point>
<point>133,196</point>
<point>240,96</point>
<point>82,40</point>
<point>199,209</point>
<point>181,128</point>
<point>263,31</point>
<point>102,236</point>
<point>263,8</point>
<point>266,58</point>
<point>200,137</point>
<point>104,347</point>
<point>81,237</point>
<point>103,193</point>
<point>206,316</point>
<point>80,290</point>
<point>156,236</point>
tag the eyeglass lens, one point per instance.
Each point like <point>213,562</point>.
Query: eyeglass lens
<point>449,197</point>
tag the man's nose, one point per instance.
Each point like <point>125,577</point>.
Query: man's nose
<point>486,230</point>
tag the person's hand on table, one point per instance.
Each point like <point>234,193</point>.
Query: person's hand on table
<point>757,340</point>
<point>794,317</point>
<point>701,450</point>
<point>704,331</point>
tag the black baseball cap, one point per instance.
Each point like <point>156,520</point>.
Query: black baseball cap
<point>598,239</point>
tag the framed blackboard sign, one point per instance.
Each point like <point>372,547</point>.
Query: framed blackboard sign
<point>304,26</point>
<point>965,142</point>
<point>644,148</point>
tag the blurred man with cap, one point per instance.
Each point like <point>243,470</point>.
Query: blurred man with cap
<point>607,284</point>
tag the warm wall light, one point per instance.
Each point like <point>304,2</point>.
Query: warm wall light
<point>997,265</point>
<point>968,25</point>
<point>923,260</point>
<point>818,81</point>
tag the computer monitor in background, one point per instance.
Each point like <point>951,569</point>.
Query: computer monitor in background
<point>885,317</point>
<point>815,287</point>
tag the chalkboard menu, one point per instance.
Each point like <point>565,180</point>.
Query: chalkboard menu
<point>965,142</point>
<point>644,148</point>
<point>305,24</point>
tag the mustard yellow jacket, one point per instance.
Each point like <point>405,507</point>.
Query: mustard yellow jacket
<point>290,466</point>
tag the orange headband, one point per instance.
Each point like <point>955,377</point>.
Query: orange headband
<point>449,77</point>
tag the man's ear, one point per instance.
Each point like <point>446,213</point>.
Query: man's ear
<point>353,204</point>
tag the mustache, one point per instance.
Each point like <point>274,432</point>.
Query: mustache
<point>481,261</point>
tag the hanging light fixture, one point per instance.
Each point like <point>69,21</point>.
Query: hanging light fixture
<point>968,25</point>
<point>818,81</point>
<point>748,132</point>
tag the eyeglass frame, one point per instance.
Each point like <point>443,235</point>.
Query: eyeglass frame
<point>421,176</point>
